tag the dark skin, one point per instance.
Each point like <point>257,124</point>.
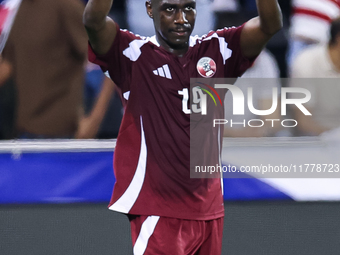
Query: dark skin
<point>174,21</point>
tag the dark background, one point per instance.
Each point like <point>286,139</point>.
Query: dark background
<point>251,228</point>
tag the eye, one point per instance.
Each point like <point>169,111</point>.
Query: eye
<point>169,9</point>
<point>189,8</point>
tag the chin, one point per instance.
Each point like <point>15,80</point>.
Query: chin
<point>183,41</point>
<point>179,45</point>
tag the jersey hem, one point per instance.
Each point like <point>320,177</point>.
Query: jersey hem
<point>205,217</point>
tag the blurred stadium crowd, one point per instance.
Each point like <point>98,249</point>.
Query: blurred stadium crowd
<point>48,89</point>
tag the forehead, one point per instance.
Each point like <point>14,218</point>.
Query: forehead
<point>173,2</point>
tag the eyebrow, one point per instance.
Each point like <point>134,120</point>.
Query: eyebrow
<point>166,5</point>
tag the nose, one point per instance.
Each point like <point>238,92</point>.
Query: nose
<point>181,17</point>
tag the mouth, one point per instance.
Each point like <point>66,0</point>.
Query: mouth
<point>180,32</point>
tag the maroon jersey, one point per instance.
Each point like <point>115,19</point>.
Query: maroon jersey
<point>152,154</point>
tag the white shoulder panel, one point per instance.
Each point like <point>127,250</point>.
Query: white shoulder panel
<point>224,50</point>
<point>133,51</point>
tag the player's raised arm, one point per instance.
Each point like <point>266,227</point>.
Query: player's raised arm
<point>257,31</point>
<point>100,28</point>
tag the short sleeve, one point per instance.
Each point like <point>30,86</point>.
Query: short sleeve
<point>114,61</point>
<point>237,64</point>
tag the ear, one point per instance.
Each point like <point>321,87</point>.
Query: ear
<point>148,6</point>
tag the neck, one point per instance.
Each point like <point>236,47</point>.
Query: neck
<point>178,50</point>
<point>334,53</point>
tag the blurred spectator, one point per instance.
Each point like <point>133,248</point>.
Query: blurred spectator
<point>319,61</point>
<point>7,110</point>
<point>236,12</point>
<point>102,106</point>
<point>264,67</point>
<point>7,101</point>
<point>140,23</point>
<point>227,13</point>
<point>45,53</point>
<point>119,13</point>
<point>310,22</point>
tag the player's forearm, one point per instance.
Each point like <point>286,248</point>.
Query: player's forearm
<point>95,13</point>
<point>270,16</point>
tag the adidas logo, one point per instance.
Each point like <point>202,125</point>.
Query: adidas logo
<point>163,71</point>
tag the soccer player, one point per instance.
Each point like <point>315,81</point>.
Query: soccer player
<point>169,212</point>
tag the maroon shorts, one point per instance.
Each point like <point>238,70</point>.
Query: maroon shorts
<point>154,235</point>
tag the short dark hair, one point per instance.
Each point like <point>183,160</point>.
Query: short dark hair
<point>334,31</point>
